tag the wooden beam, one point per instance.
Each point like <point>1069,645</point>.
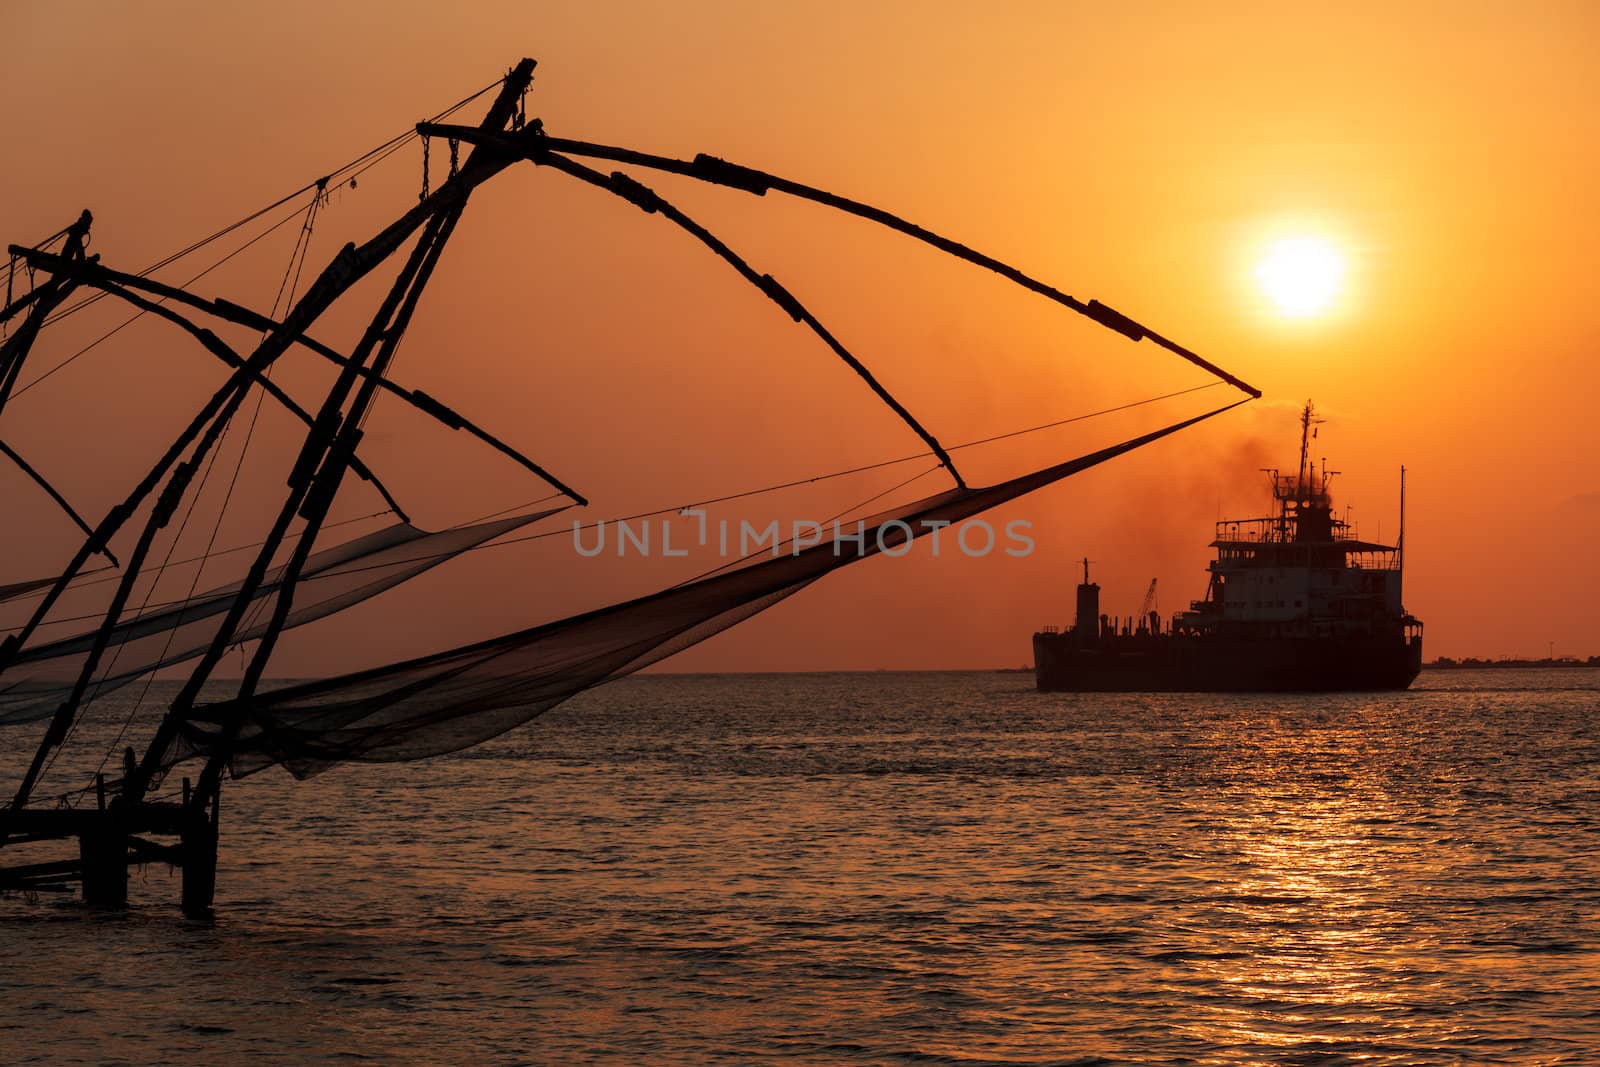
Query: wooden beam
<point>39,824</point>
<point>717,171</point>
<point>348,267</point>
<point>217,347</point>
<point>61,501</point>
<point>98,276</point>
<point>46,298</point>
<point>340,275</point>
<point>56,869</point>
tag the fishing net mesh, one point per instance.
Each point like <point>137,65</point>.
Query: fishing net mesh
<point>333,579</point>
<point>452,700</point>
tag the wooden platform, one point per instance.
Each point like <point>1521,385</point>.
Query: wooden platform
<point>109,842</point>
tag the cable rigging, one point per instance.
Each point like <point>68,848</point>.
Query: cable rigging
<point>451,699</point>
<point>331,180</point>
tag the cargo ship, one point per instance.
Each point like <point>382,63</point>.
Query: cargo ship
<point>1295,602</point>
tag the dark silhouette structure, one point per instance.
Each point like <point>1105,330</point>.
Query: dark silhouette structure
<point>421,707</point>
<point>1295,602</point>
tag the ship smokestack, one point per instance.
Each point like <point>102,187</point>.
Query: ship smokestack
<point>1087,622</point>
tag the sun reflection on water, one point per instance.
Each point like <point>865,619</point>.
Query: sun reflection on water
<point>871,869</point>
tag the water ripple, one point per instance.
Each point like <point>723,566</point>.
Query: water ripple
<point>882,869</point>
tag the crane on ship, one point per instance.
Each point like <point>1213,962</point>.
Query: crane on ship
<point>1149,612</point>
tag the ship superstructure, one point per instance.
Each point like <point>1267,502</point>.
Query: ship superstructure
<point>1295,601</point>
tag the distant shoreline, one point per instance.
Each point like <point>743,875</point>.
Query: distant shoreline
<point>1445,663</point>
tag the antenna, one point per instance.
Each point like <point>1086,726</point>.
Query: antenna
<point>1305,429</point>
<point>1303,491</point>
<point>1400,543</point>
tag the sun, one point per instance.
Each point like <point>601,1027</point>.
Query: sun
<point>1301,275</point>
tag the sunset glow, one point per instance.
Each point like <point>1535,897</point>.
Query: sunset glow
<point>836,533</point>
<point>1301,275</point>
<point>1377,235</point>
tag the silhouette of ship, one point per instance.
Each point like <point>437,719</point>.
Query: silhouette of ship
<point>1296,602</point>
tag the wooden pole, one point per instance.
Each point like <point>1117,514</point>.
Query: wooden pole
<point>49,296</point>
<point>198,844</point>
<point>103,852</point>
<point>720,172</point>
<point>325,456</point>
<point>347,268</point>
<point>122,285</point>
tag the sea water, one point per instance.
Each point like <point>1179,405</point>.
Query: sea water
<point>876,868</point>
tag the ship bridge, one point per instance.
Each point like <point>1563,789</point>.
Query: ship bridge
<point>1296,601</point>
<point>1274,542</point>
<point>1302,566</point>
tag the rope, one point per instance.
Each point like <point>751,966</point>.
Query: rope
<point>179,563</point>
<point>86,349</point>
<point>302,245</point>
<point>832,519</point>
<point>327,180</point>
<point>291,282</point>
<point>172,633</point>
<point>674,509</point>
<point>149,681</point>
<point>649,201</point>
<point>744,494</point>
<point>720,172</point>
<point>862,469</point>
<point>1080,418</point>
<point>59,233</point>
<point>506,511</point>
<point>426,141</point>
<point>399,144</point>
<point>88,702</point>
<point>618,184</point>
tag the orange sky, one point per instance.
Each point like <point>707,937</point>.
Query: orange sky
<point>1451,152</point>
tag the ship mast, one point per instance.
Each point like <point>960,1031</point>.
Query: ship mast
<point>1301,495</point>
<point>1400,542</point>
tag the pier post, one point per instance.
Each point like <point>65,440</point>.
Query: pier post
<point>199,846</point>
<point>103,852</point>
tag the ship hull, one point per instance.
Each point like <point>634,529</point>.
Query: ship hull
<point>1213,664</point>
